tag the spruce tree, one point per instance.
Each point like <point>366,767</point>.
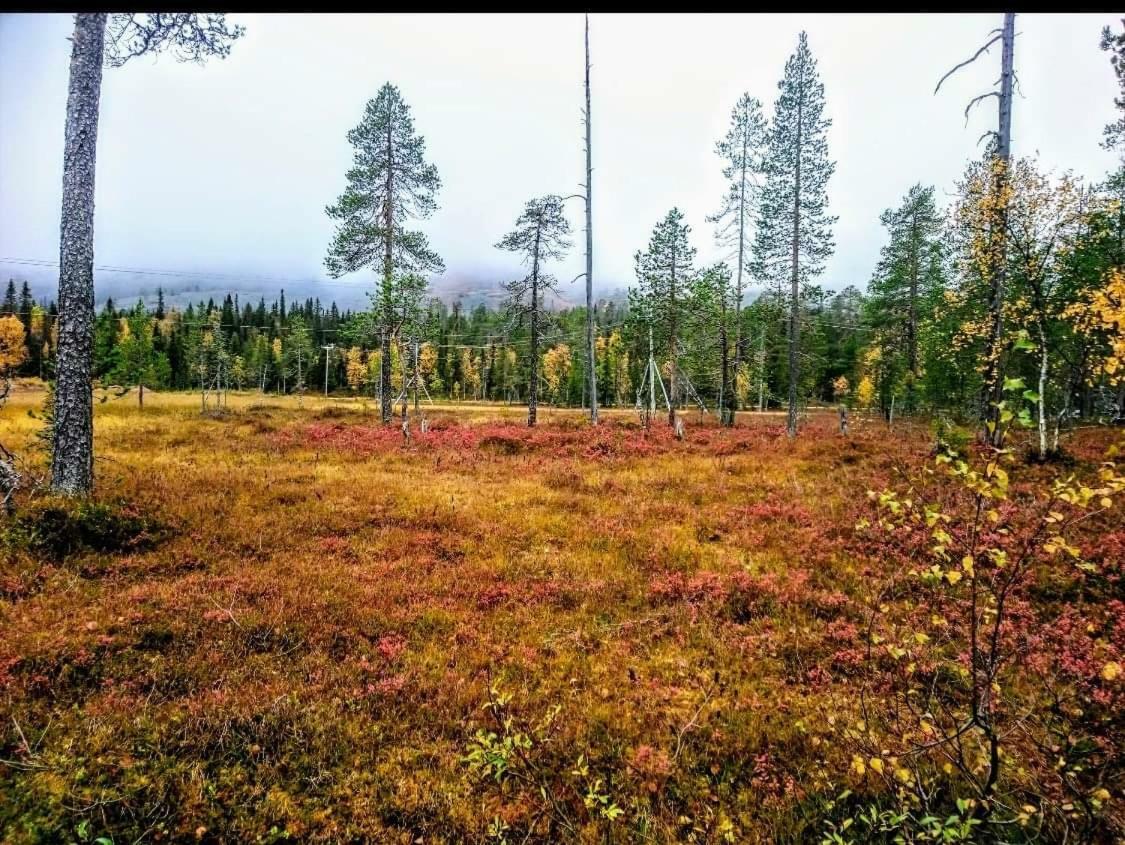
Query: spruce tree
<point>389,184</point>
<point>664,273</point>
<point>541,233</point>
<point>794,234</point>
<point>908,277</point>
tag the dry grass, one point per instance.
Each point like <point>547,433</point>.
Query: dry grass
<point>308,652</point>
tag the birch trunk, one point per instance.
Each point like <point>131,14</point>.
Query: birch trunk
<point>72,454</point>
<point>1042,403</point>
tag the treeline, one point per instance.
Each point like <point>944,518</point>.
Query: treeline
<point>913,341</point>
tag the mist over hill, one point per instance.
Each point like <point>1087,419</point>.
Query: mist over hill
<point>124,286</point>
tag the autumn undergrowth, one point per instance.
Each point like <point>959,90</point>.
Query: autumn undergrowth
<point>321,632</point>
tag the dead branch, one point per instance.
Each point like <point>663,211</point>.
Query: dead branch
<point>969,61</point>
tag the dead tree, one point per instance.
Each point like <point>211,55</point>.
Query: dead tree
<point>1001,137</point>
<point>591,368</point>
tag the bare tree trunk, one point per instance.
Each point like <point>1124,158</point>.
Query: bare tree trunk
<point>1043,363</point>
<point>794,325</point>
<point>912,324</point>
<point>993,386</point>
<point>673,386</point>
<point>592,377</point>
<point>732,383</point>
<point>72,453</point>
<point>762,372</point>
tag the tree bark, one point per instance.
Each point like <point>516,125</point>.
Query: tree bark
<point>993,386</point>
<point>673,392</point>
<point>533,387</point>
<point>730,388</point>
<point>592,383</point>
<point>1042,403</point>
<point>912,323</point>
<point>72,457</point>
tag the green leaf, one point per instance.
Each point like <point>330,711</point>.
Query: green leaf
<point>1013,384</point>
<point>1031,396</point>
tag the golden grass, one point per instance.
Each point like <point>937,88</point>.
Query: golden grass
<point>309,652</point>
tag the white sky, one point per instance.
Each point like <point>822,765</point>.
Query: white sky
<point>227,168</point>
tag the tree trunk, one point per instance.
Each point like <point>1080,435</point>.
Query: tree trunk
<point>533,387</point>
<point>794,326</point>
<point>385,399</point>
<point>731,388</point>
<point>140,394</point>
<point>673,388</point>
<point>912,321</point>
<point>993,386</point>
<point>726,404</point>
<point>72,454</point>
<point>417,376</point>
<point>1042,403</point>
<point>762,372</point>
<point>592,384</point>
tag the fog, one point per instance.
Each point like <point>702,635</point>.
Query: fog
<point>224,170</point>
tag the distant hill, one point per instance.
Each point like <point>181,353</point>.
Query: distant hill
<point>181,288</point>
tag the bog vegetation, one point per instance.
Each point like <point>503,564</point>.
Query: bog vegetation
<point>863,583</point>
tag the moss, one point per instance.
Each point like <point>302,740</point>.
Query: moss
<point>59,528</point>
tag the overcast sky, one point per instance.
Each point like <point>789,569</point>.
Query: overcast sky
<point>227,168</point>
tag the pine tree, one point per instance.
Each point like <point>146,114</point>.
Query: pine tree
<point>907,279</point>
<point>794,237</point>
<point>25,305</point>
<point>541,234</point>
<point>741,152</point>
<point>664,272</point>
<point>11,305</point>
<point>1114,133</point>
<point>389,183</point>
<point>190,37</point>
<point>136,360</point>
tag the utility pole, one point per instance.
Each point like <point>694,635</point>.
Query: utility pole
<point>327,357</point>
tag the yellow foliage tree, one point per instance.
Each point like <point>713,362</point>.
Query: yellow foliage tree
<point>470,374</point>
<point>1103,311</point>
<point>557,363</point>
<point>13,349</point>
<point>865,393</point>
<point>354,368</point>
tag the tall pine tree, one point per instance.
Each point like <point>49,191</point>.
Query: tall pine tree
<point>741,152</point>
<point>794,234</point>
<point>389,184</point>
